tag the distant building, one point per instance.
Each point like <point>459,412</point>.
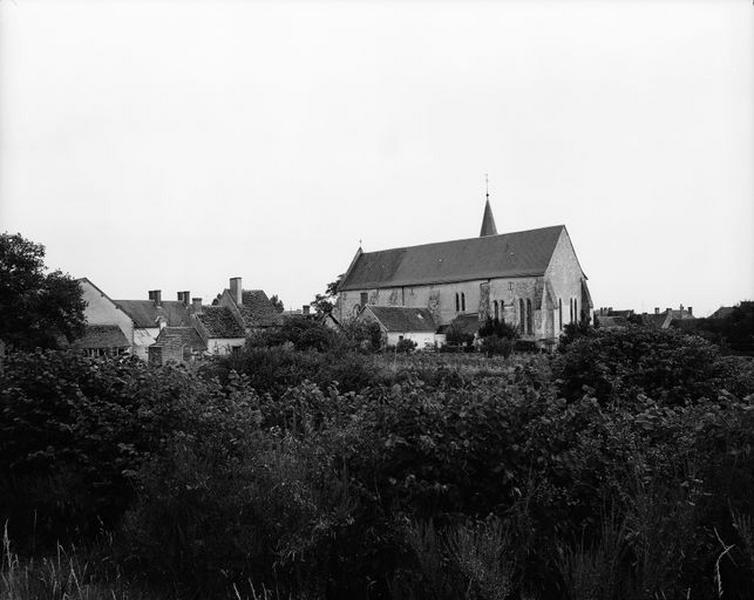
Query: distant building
<point>608,318</point>
<point>221,329</point>
<point>102,340</point>
<point>531,279</point>
<point>398,323</point>
<point>251,308</point>
<point>663,319</point>
<point>177,344</point>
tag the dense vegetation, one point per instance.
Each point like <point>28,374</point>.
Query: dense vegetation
<point>309,467</point>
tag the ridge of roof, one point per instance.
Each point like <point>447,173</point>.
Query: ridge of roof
<point>467,239</point>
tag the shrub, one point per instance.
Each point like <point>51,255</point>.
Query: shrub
<point>617,365</point>
<point>405,346</point>
<point>493,345</point>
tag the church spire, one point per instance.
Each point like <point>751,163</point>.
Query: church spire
<point>488,221</point>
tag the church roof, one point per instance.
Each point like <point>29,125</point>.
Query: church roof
<point>519,254</point>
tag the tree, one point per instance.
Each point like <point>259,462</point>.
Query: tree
<point>324,303</point>
<point>277,303</point>
<point>38,309</point>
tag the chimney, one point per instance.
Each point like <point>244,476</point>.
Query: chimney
<point>156,297</point>
<point>196,305</point>
<point>184,297</point>
<point>681,307</point>
<point>657,310</point>
<point>305,309</point>
<point>236,289</point>
<point>691,311</point>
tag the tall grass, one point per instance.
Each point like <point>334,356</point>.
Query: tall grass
<point>63,576</point>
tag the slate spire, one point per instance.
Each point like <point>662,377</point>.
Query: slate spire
<point>488,221</point>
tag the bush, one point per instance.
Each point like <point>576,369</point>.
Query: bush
<point>493,345</point>
<point>405,346</point>
<point>498,328</point>
<point>73,431</point>
<point>615,366</point>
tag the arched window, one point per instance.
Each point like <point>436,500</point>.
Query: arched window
<point>497,314</point>
<point>576,310</point>
<point>521,315</point>
<point>502,311</point>
<point>570,310</point>
<point>458,303</point>
<point>529,328</point>
<point>463,302</point>
<point>560,313</point>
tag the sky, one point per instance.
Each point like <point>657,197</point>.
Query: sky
<point>173,145</point>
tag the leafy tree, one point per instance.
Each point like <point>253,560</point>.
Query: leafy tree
<point>38,308</point>
<point>277,303</point>
<point>324,303</point>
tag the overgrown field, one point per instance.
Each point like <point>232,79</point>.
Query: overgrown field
<point>620,468</point>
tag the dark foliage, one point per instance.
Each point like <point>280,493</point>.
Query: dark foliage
<point>734,333</point>
<point>620,475</point>
<point>664,365</point>
<point>38,309</point>
<point>405,346</point>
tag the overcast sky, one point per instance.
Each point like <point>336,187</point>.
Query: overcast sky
<point>172,145</point>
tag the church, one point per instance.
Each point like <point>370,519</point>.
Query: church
<point>530,279</point>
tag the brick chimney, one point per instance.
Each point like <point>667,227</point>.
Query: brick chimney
<point>156,297</point>
<point>657,310</point>
<point>184,297</point>
<point>236,289</point>
<point>305,309</point>
<point>196,305</point>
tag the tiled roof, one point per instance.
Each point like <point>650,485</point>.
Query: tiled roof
<point>257,310</point>
<point>403,319</point>
<point>524,253</point>
<point>145,314</point>
<point>220,323</point>
<point>102,336</point>
<point>180,336</point>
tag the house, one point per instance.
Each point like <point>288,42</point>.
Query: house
<point>103,317</point>
<point>531,279</point>
<point>400,322</point>
<point>220,329</point>
<point>177,344</point>
<point>102,340</point>
<point>149,316</point>
<point>251,308</point>
<point>608,318</point>
<point>663,319</point>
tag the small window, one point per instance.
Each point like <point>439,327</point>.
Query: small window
<point>364,298</point>
<point>560,313</point>
<point>576,310</point>
<point>463,302</point>
<point>502,311</point>
<point>458,303</point>
<point>497,313</point>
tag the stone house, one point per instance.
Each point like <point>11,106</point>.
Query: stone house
<point>251,308</point>
<point>531,279</point>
